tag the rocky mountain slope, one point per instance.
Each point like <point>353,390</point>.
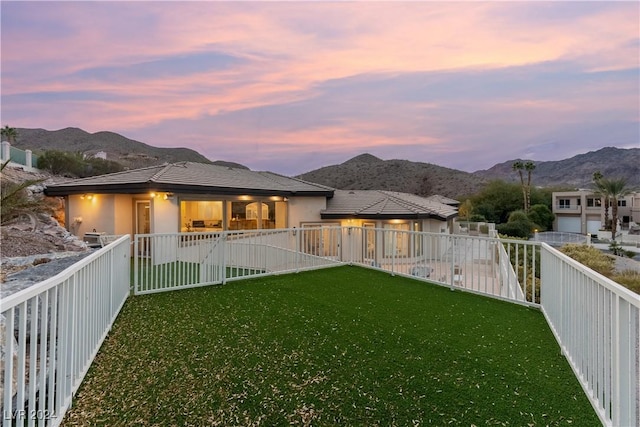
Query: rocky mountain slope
<point>577,171</point>
<point>130,153</point>
<point>361,172</point>
<point>367,172</point>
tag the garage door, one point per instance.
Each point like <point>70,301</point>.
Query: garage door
<point>569,224</point>
<point>593,226</point>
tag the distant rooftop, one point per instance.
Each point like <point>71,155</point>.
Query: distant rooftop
<point>379,204</point>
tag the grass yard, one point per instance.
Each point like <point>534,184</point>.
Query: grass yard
<point>338,346</point>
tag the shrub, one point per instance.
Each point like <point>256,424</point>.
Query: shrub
<point>616,249</point>
<point>75,165</point>
<point>520,229</point>
<point>16,202</point>
<point>542,216</point>
<point>477,218</point>
<point>518,216</point>
<point>629,279</point>
<point>590,257</point>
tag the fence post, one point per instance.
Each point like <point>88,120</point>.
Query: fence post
<point>223,241</point>
<point>27,157</point>
<point>5,151</point>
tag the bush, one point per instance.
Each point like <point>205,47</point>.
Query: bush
<point>518,216</point>
<point>477,218</point>
<point>16,201</point>
<point>616,249</point>
<point>516,229</point>
<point>629,279</point>
<point>542,216</point>
<point>75,165</point>
<point>590,257</point>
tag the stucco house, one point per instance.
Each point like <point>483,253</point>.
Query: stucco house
<point>187,196</point>
<point>583,211</point>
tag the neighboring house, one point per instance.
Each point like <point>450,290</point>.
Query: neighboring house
<point>582,211</point>
<point>186,196</point>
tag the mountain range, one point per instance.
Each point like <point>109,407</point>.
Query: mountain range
<point>361,172</point>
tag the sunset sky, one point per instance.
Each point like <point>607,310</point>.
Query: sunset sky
<point>294,86</point>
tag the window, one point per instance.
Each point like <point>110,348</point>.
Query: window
<point>594,202</point>
<point>247,215</point>
<point>622,203</point>
<point>564,204</point>
<point>201,215</point>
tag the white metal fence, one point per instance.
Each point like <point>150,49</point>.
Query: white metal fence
<point>595,321</point>
<point>175,261</point>
<point>559,238</point>
<point>52,331</point>
<point>597,324</point>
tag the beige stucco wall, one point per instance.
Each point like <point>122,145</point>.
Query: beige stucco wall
<point>123,214</point>
<point>165,215</point>
<point>305,209</point>
<point>114,214</point>
<point>107,213</point>
<point>88,213</point>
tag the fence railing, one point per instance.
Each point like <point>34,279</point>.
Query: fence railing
<point>597,324</point>
<point>483,265</point>
<point>175,261</point>
<point>595,321</point>
<point>51,332</point>
<point>559,238</point>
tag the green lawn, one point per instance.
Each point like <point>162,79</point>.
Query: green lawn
<point>339,346</point>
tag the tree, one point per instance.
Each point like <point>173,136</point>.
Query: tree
<point>615,189</point>
<point>526,187</point>
<point>75,164</point>
<point>603,192</point>
<point>465,210</point>
<point>62,163</point>
<point>542,217</point>
<point>9,134</point>
<point>519,225</point>
<point>497,200</point>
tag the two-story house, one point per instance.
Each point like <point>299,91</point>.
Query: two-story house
<point>583,211</point>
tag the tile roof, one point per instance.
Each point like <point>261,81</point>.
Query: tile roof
<point>191,177</point>
<point>443,199</point>
<point>373,204</point>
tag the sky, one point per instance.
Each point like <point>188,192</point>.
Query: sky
<point>294,86</point>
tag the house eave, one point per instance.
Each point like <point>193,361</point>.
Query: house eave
<point>141,188</point>
<point>329,215</point>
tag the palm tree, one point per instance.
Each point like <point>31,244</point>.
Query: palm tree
<point>9,134</point>
<point>519,166</point>
<point>615,189</point>
<point>597,177</point>
<point>528,166</point>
